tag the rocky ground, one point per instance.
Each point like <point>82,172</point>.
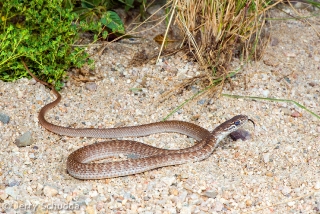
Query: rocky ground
<point>276,171</point>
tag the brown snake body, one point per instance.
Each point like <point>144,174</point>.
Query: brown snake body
<point>142,157</point>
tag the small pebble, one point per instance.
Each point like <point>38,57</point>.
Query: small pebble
<point>32,156</point>
<point>152,176</point>
<point>134,207</point>
<point>91,86</point>
<point>100,189</point>
<point>274,41</point>
<point>290,54</point>
<point>146,198</point>
<point>12,191</point>
<point>202,101</point>
<point>93,194</point>
<point>248,203</point>
<point>237,154</point>
<point>218,206</point>
<point>13,182</point>
<point>186,175</point>
<point>174,191</point>
<point>291,203</point>
<point>265,93</point>
<point>269,174</point>
<point>20,94</point>
<point>128,195</point>
<point>286,111</point>
<point>296,114</point>
<point>266,157</point>
<point>317,185</point>
<point>286,190</point>
<point>39,186</point>
<point>4,118</point>
<point>186,210</point>
<point>3,195</point>
<point>49,191</point>
<point>99,206</point>
<point>168,180</point>
<point>211,194</point>
<point>32,81</point>
<point>24,140</point>
<point>91,210</point>
<point>287,79</point>
<point>312,84</point>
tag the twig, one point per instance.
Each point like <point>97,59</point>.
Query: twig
<point>167,30</point>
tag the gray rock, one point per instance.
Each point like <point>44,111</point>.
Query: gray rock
<point>24,140</point>
<point>274,41</point>
<point>202,101</point>
<point>4,118</point>
<point>128,195</point>
<point>146,198</point>
<point>91,86</point>
<point>13,183</point>
<point>211,194</point>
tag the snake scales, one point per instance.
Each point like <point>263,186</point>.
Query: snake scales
<point>145,157</point>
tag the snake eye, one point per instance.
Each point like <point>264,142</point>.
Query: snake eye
<point>237,123</point>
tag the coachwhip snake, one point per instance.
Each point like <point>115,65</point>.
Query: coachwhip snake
<point>143,157</point>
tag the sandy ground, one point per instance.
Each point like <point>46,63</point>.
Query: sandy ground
<point>276,171</point>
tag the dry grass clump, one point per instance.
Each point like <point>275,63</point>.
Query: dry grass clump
<point>218,30</point>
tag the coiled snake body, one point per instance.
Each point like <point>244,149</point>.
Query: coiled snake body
<point>145,157</point>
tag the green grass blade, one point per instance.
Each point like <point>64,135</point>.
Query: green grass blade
<point>273,99</point>
<point>214,83</point>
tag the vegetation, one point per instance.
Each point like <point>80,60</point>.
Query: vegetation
<point>97,15</point>
<point>218,30</point>
<point>43,33</point>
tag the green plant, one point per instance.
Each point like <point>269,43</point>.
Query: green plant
<point>110,23</point>
<point>97,15</point>
<point>42,32</point>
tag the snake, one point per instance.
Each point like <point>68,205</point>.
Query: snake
<point>82,163</point>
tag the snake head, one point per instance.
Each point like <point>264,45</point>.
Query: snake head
<point>230,126</point>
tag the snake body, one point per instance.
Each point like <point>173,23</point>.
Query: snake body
<point>143,157</point>
<point>147,157</point>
